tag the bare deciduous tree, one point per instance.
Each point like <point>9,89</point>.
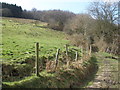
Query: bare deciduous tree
<point>107,11</point>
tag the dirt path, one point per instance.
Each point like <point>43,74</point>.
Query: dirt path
<point>107,75</point>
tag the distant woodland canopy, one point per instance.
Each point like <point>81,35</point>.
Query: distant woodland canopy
<point>11,10</point>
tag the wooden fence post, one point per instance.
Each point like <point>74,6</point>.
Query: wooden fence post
<point>66,47</point>
<point>87,49</point>
<point>56,60</point>
<point>76,57</point>
<point>81,52</point>
<point>90,50</point>
<point>37,58</point>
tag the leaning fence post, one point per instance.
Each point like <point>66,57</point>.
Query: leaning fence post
<point>56,60</point>
<point>76,57</point>
<point>37,58</point>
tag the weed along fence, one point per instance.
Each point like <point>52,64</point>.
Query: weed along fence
<point>68,56</point>
<point>63,58</point>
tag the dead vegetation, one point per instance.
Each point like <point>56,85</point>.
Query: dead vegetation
<point>26,67</point>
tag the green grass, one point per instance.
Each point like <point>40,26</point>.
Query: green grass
<point>18,45</point>
<point>18,42</point>
<point>18,39</point>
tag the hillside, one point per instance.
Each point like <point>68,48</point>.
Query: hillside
<point>18,52</point>
<point>60,48</point>
<point>19,37</point>
<point>18,45</point>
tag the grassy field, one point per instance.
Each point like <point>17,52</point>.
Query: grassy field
<point>19,37</point>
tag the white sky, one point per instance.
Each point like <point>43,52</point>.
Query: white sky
<point>71,5</point>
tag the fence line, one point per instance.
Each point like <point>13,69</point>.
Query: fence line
<point>87,53</point>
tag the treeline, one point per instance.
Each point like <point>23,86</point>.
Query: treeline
<point>56,19</point>
<point>99,28</point>
<point>85,31</point>
<point>10,10</point>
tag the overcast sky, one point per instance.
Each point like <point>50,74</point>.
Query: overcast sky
<point>76,6</point>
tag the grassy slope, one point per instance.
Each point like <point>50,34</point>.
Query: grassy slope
<point>19,37</point>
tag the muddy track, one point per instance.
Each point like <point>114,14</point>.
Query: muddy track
<point>107,75</point>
